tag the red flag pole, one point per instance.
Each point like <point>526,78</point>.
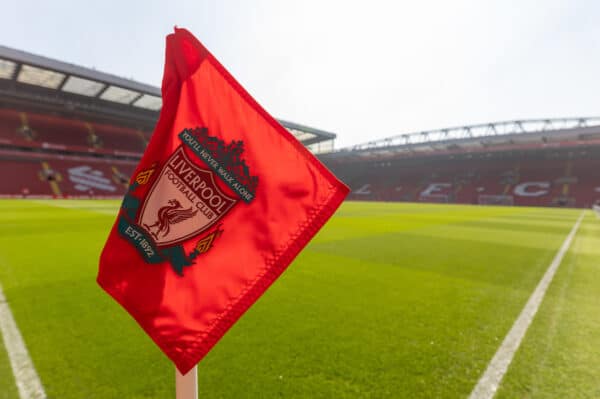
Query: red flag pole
<point>186,386</point>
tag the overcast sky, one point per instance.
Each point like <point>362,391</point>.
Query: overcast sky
<point>364,70</point>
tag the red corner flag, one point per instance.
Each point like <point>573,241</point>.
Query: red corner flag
<point>222,201</point>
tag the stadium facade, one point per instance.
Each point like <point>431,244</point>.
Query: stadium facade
<point>70,131</point>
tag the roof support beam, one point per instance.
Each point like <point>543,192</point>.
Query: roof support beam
<point>16,72</point>
<point>62,84</point>
<point>136,98</point>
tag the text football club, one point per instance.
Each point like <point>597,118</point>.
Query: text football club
<point>184,200</point>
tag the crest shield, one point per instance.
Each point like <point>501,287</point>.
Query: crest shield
<point>183,202</point>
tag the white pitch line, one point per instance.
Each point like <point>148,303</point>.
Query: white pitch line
<point>490,381</point>
<point>26,378</point>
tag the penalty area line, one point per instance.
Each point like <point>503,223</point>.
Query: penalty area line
<point>26,378</point>
<point>490,381</point>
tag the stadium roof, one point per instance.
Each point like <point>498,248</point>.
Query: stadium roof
<point>31,80</point>
<point>307,135</point>
<point>480,137</point>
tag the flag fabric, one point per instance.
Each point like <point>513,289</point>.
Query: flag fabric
<point>222,201</point>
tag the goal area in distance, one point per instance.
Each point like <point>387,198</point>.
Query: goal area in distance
<point>487,199</point>
<point>435,198</point>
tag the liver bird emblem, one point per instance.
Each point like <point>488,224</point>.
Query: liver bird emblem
<point>167,216</point>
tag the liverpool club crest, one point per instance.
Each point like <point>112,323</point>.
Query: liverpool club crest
<point>184,201</point>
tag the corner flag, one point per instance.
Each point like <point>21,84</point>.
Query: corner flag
<point>222,201</point>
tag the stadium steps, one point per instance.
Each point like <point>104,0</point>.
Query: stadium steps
<point>53,182</point>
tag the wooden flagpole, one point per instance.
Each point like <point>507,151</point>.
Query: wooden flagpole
<point>186,386</point>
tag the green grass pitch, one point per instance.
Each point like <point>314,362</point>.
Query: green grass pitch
<point>388,301</point>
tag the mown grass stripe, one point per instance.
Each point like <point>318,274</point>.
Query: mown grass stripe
<point>490,381</point>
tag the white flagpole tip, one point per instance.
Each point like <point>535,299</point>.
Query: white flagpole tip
<point>186,386</point>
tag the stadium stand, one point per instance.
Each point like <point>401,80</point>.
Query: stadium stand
<point>63,176</point>
<point>48,131</point>
<point>9,127</point>
<point>68,131</point>
<point>29,181</point>
<point>52,130</point>
<point>511,182</point>
<point>549,165</point>
<point>121,139</point>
